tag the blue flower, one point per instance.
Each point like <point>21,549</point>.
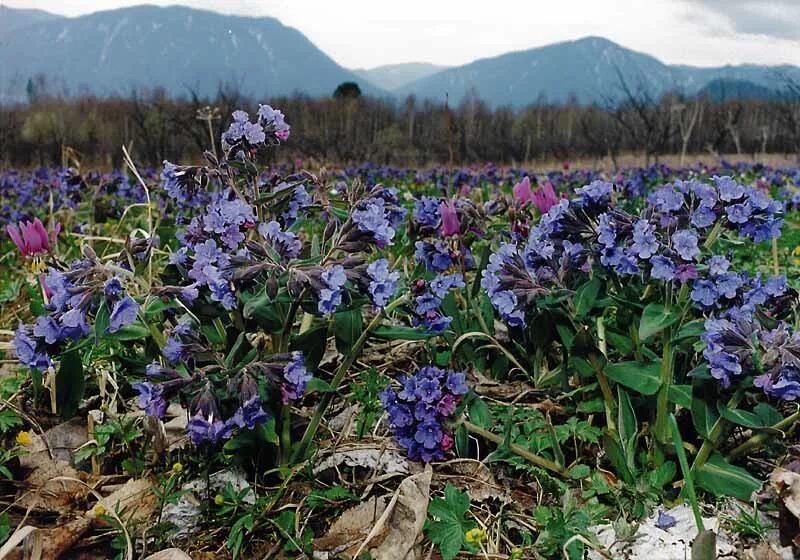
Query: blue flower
<point>426,211</point>
<point>296,377</point>
<point>383,283</point>
<point>286,244</point>
<point>27,351</point>
<point>330,296</point>
<point>704,293</point>
<point>776,286</point>
<point>729,189</point>
<point>151,399</point>
<point>123,313</point>
<point>435,256</point>
<point>662,268</point>
<point>685,244</point>
<point>371,217</point>
<point>429,434</point>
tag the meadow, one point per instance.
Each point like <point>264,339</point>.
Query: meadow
<point>246,359</point>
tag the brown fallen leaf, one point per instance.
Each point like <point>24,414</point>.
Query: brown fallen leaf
<point>347,533</point>
<point>476,479</point>
<point>135,497</point>
<point>41,491</point>
<point>55,541</point>
<point>407,519</point>
<point>388,526</point>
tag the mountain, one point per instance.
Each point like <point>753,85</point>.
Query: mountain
<point>395,76</point>
<point>726,89</point>
<point>12,19</point>
<point>588,70</point>
<point>180,49</point>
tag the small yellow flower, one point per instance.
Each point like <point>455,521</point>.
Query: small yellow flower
<point>177,468</point>
<point>219,499</point>
<point>475,536</point>
<point>24,439</point>
<point>99,510</point>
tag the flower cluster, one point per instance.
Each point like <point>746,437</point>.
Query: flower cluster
<point>737,348</point>
<point>427,302</point>
<point>74,297</point>
<point>383,282</point>
<point>245,136</point>
<point>663,242</point>
<point>419,412</point>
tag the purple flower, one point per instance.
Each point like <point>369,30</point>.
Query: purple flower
<point>450,224</point>
<point>738,213</point>
<point>544,198</point>
<point>47,328</point>
<point>249,415</point>
<point>123,313</point>
<point>428,390</point>
<point>595,193</point>
<point>685,244</point>
<point>151,399</point>
<point>522,192</point>
<point>718,265</point>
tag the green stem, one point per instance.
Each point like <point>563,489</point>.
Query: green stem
<point>286,434</point>
<point>714,235</point>
<point>521,451</point>
<point>759,439</point>
<point>313,425</point>
<point>662,400</point>
<point>710,443</point>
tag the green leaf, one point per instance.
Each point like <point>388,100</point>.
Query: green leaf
<point>70,384</point>
<point>692,329</point>
<point>615,454</point>
<point>740,417</point>
<point>134,331</point>
<point>621,343</point>
<point>645,378</point>
<point>317,385</point>
<point>580,471</point>
<point>347,327</point>
<point>401,333</point>
<point>101,321</point>
<point>681,395</point>
<point>655,318</point>
<point>585,297</point>
<point>703,416</point>
<point>449,525</point>
<point>8,419</point>
<point>769,414</point>
<point>723,479</point>
<point>628,427</point>
<point>479,413</point>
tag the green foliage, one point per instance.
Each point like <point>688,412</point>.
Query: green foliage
<point>448,524</point>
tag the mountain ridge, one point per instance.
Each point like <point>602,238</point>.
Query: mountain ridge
<point>189,51</point>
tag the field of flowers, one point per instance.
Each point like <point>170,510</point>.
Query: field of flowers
<point>367,362</point>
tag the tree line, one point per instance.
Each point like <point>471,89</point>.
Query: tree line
<point>53,129</point>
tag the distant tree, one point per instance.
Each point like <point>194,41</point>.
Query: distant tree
<point>347,90</point>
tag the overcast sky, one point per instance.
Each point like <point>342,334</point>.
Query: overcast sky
<point>361,33</point>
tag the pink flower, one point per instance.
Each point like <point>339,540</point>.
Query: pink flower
<point>31,238</point>
<point>522,191</point>
<point>450,223</point>
<point>545,197</point>
<point>447,441</point>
